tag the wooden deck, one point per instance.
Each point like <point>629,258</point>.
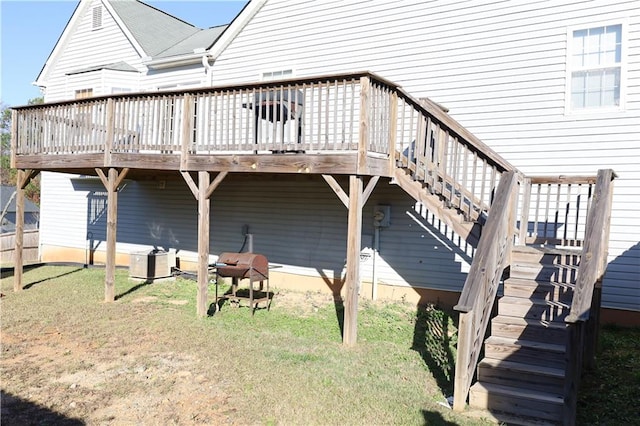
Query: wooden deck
<point>355,124</point>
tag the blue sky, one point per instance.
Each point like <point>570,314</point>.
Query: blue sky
<point>30,29</point>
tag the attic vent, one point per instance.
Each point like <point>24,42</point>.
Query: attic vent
<point>97,17</point>
<point>275,75</point>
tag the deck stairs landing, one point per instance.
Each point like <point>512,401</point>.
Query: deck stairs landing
<point>520,380</point>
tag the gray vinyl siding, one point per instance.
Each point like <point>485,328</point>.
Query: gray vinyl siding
<point>500,67</point>
<point>296,221</point>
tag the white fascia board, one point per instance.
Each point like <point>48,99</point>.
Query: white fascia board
<point>235,27</point>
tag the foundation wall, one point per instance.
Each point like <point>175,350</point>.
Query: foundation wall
<point>288,281</point>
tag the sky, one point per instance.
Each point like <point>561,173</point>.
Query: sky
<point>30,29</point>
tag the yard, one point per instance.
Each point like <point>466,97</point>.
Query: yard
<point>69,358</point>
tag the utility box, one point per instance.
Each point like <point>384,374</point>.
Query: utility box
<point>381,216</point>
<point>152,264</point>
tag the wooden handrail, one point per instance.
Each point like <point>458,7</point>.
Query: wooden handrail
<point>432,110</point>
<point>594,251</point>
<point>481,287</point>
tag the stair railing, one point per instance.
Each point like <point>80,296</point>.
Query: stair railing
<point>480,288</point>
<point>584,314</point>
<point>444,156</point>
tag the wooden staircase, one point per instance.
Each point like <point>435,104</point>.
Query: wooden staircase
<point>521,378</point>
<point>528,370</point>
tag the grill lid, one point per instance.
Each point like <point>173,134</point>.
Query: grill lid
<point>242,265</point>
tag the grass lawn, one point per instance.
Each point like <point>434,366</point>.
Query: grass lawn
<point>70,358</point>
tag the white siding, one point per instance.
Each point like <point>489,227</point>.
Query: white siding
<point>501,69</point>
<point>63,212</point>
<point>86,48</point>
<point>296,221</point>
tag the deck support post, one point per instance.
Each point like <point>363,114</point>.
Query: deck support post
<point>354,202</point>
<point>204,204</point>
<point>24,177</point>
<point>111,183</point>
<point>354,238</point>
<point>202,192</point>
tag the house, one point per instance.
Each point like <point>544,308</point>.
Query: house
<point>509,88</point>
<point>539,97</point>
<point>8,209</point>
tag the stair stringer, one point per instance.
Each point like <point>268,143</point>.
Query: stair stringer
<point>470,231</point>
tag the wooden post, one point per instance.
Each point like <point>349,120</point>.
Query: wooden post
<point>524,213</point>
<point>112,226</point>
<point>363,143</point>
<point>187,128</point>
<point>393,129</point>
<point>111,184</point>
<point>203,242</point>
<point>17,254</point>
<point>23,179</point>
<point>14,138</point>
<point>463,359</point>
<point>111,117</point>
<point>353,261</point>
<point>202,192</point>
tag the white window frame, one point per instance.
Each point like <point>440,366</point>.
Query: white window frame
<point>570,68</point>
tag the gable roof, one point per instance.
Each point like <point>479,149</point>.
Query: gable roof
<point>116,66</point>
<point>200,40</point>
<point>6,194</point>
<point>154,34</point>
<point>154,30</point>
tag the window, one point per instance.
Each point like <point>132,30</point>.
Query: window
<point>97,18</point>
<point>596,67</point>
<point>84,93</point>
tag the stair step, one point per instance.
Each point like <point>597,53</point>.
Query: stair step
<point>518,402</point>
<point>529,329</point>
<point>525,351</point>
<point>546,255</point>
<point>524,376</point>
<point>546,310</point>
<point>543,273</point>
<point>518,287</point>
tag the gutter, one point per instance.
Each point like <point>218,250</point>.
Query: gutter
<point>173,61</point>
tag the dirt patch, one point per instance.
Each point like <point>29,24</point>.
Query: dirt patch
<point>52,375</point>
<point>64,378</point>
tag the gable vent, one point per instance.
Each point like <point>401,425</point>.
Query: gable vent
<point>97,17</point>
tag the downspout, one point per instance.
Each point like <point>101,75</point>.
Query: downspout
<point>374,274</point>
<point>208,68</point>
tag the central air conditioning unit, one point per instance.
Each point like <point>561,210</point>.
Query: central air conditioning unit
<point>152,264</point>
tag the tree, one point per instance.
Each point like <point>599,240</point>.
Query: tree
<point>8,175</point>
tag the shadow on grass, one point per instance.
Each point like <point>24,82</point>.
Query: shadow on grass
<point>242,294</point>
<point>434,339</point>
<point>134,289</point>
<point>609,393</point>
<point>44,280</point>
<point>18,411</point>
<point>9,271</point>
<point>435,419</point>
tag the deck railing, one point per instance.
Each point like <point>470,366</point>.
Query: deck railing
<point>554,209</point>
<point>584,314</point>
<point>315,114</point>
<point>450,160</point>
<point>481,287</point>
